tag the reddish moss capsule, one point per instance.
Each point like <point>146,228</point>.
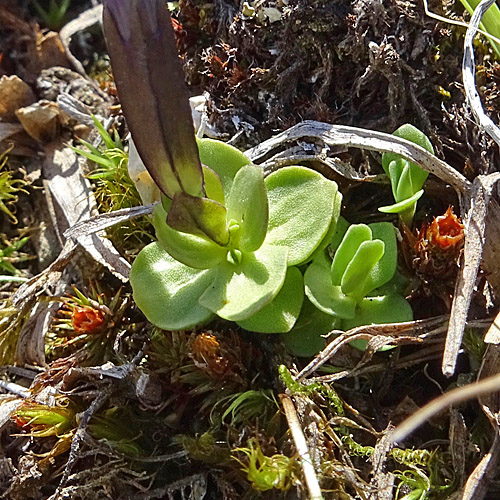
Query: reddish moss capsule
<point>446,232</point>
<point>86,319</point>
<point>433,251</point>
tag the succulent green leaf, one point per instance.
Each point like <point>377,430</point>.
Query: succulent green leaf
<point>412,134</point>
<point>282,312</point>
<point>342,226</point>
<point>199,216</point>
<point>394,172</point>
<point>404,188</point>
<point>378,310</point>
<point>153,95</point>
<point>191,250</point>
<point>226,160</point>
<point>240,290</point>
<point>385,268</point>
<point>397,285</point>
<point>213,185</point>
<point>333,229</point>
<point>301,207</point>
<point>323,294</point>
<point>358,269</point>
<point>247,205</point>
<point>353,238</point>
<point>402,205</point>
<point>306,338</point>
<point>168,292</point>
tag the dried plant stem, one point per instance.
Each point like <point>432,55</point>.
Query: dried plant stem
<point>469,73</point>
<point>302,449</point>
<point>470,391</point>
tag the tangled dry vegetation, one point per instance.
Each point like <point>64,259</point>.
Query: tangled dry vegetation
<point>97,403</point>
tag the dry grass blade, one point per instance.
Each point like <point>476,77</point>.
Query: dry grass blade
<point>28,291</point>
<point>484,213</point>
<point>475,236</point>
<point>30,349</point>
<point>469,73</point>
<point>302,449</point>
<point>469,391</point>
<point>382,481</point>
<point>476,486</point>
<point>103,221</point>
<point>493,334</point>
<point>74,196</point>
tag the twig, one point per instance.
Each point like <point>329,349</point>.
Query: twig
<point>84,21</point>
<point>16,389</point>
<point>103,221</point>
<point>365,333</point>
<point>469,73</point>
<point>447,20</point>
<point>477,484</point>
<point>470,391</point>
<point>78,439</point>
<point>475,232</point>
<point>341,135</point>
<point>302,449</point>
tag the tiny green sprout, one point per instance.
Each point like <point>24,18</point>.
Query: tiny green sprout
<point>114,190</point>
<point>250,405</point>
<point>407,178</point>
<point>53,16</point>
<point>10,255</point>
<point>354,284</point>
<point>9,187</point>
<point>44,421</point>
<point>267,473</point>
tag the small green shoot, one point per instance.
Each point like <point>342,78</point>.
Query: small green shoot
<point>349,284</point>
<point>250,405</point>
<point>10,255</point>
<point>115,427</point>
<point>44,421</point>
<point>407,178</point>
<point>268,472</point>
<point>115,190</point>
<point>9,187</point>
<point>53,16</point>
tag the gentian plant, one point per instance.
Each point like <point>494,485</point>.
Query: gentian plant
<point>229,241</point>
<point>407,178</point>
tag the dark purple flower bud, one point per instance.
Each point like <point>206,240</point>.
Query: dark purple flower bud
<point>153,95</point>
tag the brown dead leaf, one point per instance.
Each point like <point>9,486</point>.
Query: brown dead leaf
<point>14,94</point>
<point>40,120</point>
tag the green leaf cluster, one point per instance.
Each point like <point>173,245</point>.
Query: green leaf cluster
<point>407,178</point>
<point>235,253</point>
<point>354,281</point>
<point>54,14</point>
